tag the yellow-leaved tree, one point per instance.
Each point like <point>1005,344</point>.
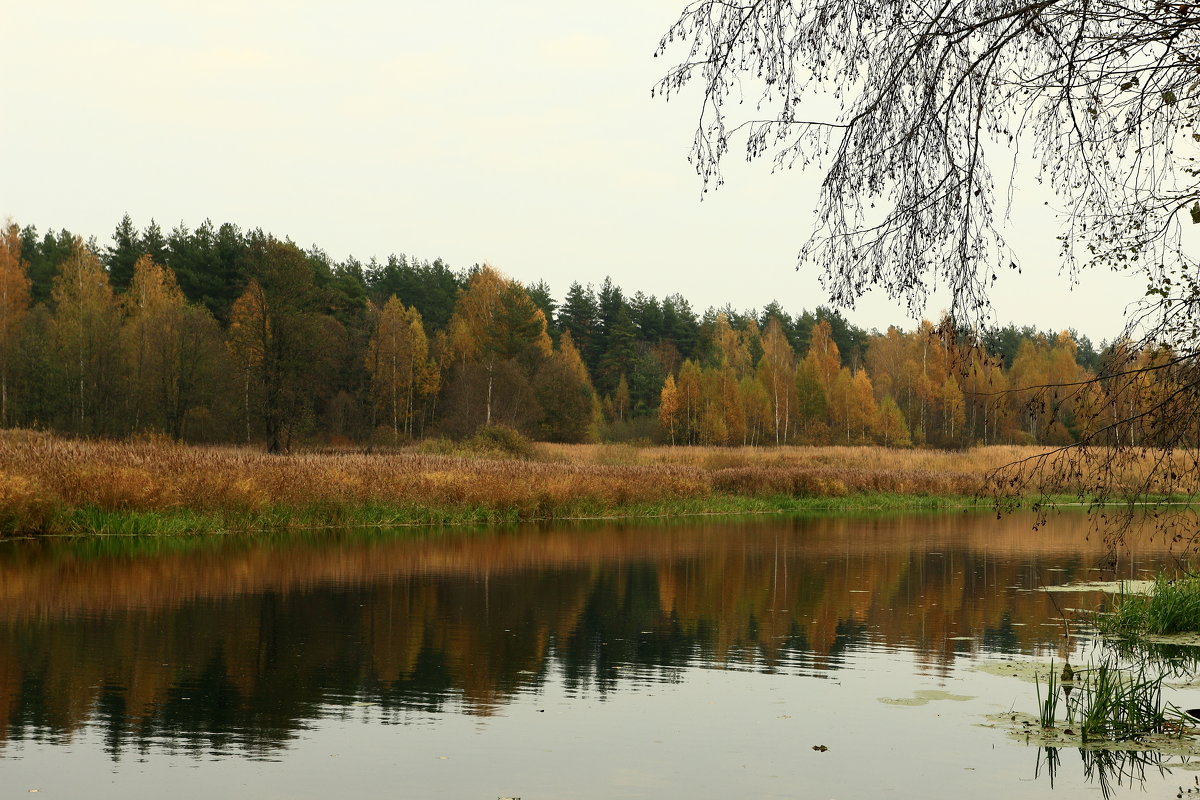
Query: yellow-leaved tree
<point>249,331</point>
<point>498,338</point>
<point>14,305</point>
<point>564,392</point>
<point>397,358</point>
<point>669,407</point>
<point>86,333</point>
<point>777,374</point>
<point>153,308</point>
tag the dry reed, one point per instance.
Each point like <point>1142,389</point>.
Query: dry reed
<point>44,476</point>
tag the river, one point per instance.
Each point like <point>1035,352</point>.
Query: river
<point>702,658</point>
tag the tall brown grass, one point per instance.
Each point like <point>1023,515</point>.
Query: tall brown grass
<point>41,476</point>
<point>909,470</point>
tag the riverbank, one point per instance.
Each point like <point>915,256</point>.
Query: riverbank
<point>56,486</point>
<point>97,521</point>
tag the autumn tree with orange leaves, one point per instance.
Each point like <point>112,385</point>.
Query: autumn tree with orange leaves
<point>14,305</point>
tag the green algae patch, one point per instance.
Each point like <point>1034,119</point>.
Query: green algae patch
<point>1028,671</point>
<point>1025,728</point>
<point>1177,639</point>
<point>1109,587</point>
<point>923,696</point>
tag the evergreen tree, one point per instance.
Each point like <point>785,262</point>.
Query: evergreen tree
<point>45,256</point>
<point>565,395</point>
<point>154,243</point>
<point>539,293</point>
<point>610,304</point>
<point>430,287</point>
<point>212,265</point>
<point>620,355</point>
<point>647,316</point>
<point>580,316</point>
<point>680,326</point>
<point>284,339</point>
<point>124,252</point>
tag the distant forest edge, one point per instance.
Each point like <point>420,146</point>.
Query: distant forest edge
<point>223,335</point>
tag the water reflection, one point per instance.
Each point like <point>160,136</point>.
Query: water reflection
<point>234,645</point>
<point>1107,769</point>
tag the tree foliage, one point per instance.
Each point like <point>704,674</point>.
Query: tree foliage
<point>309,349</point>
<point>917,112</point>
<point>397,358</point>
<point>14,305</point>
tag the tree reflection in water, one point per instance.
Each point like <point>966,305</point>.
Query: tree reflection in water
<point>237,645</point>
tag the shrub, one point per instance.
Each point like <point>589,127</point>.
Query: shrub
<point>502,440</point>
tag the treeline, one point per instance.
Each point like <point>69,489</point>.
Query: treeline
<point>219,334</point>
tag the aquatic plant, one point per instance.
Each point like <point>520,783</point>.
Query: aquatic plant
<point>1172,606</point>
<point>1108,702</point>
<point>1048,705</point>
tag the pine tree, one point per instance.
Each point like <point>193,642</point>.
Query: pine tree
<point>565,394</point>
<point>580,315</point>
<point>123,254</point>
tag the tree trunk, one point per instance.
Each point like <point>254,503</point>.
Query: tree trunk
<point>246,374</point>
<point>489,396</point>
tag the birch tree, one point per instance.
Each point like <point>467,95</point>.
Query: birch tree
<point>397,358</point>
<point>86,331</point>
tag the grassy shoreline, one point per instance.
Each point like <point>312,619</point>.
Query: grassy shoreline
<point>92,521</point>
<point>55,486</point>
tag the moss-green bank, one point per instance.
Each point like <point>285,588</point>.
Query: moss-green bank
<point>91,521</point>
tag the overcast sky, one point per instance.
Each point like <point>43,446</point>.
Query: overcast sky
<point>519,133</point>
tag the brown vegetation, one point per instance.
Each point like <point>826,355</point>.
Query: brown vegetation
<point>43,479</point>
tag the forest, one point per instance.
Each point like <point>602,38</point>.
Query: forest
<point>223,335</point>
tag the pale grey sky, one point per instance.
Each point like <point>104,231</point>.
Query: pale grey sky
<point>519,133</point>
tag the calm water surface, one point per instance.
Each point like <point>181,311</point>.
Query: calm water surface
<point>697,660</point>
